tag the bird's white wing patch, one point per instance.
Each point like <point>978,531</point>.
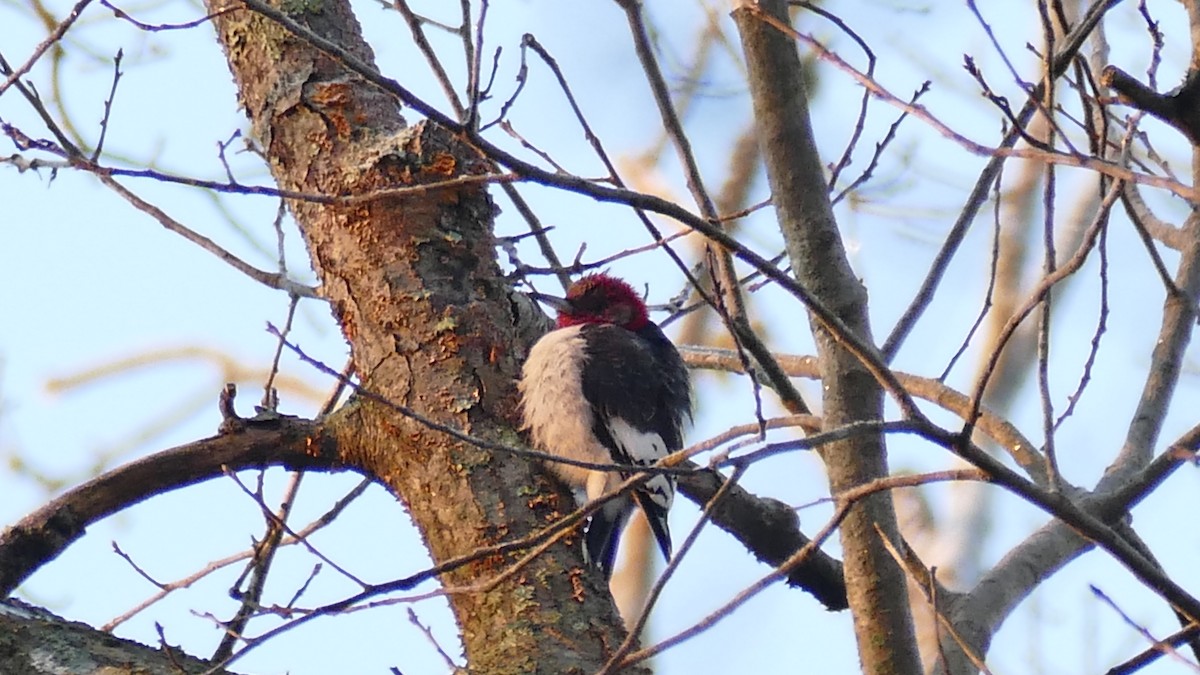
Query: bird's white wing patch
<point>642,447</point>
<point>646,448</point>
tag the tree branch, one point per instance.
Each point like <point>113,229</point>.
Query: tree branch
<point>29,635</point>
<point>767,528</point>
<point>850,393</point>
<point>42,535</point>
<point>770,530</point>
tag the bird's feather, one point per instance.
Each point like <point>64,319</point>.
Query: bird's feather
<point>640,396</point>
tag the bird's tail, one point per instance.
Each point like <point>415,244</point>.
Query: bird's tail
<point>656,515</point>
<point>603,533</point>
<point>604,530</point>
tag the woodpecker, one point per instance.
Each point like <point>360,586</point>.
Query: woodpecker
<point>607,387</point>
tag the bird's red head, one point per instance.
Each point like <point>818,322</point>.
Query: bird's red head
<point>600,298</point>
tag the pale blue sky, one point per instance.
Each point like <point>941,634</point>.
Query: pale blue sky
<point>91,280</point>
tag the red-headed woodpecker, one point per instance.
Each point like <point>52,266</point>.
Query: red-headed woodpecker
<point>607,387</point>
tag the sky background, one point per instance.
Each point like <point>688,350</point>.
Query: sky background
<point>91,283</point>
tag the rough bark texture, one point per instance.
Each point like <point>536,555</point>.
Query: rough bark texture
<point>874,583</point>
<point>36,642</point>
<point>414,284</point>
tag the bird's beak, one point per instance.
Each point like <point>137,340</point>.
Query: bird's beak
<point>559,304</point>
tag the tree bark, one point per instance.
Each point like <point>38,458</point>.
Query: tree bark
<point>874,582</point>
<point>414,284</point>
<point>36,642</point>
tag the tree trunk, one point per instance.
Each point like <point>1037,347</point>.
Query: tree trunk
<point>414,284</point>
<point>874,582</point>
